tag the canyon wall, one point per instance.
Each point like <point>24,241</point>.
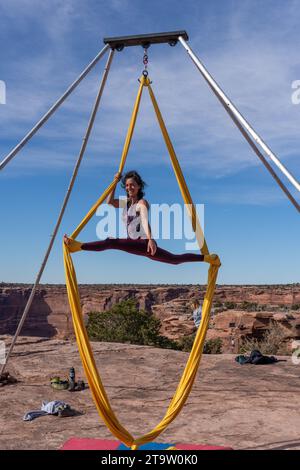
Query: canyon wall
<point>50,316</point>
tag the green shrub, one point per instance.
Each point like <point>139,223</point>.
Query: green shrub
<point>295,307</point>
<point>219,310</point>
<point>186,342</point>
<point>230,305</point>
<point>249,306</point>
<point>124,323</point>
<point>213,346</point>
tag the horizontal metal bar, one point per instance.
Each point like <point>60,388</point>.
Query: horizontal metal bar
<point>145,39</point>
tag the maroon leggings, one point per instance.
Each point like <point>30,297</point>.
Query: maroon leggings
<point>139,247</point>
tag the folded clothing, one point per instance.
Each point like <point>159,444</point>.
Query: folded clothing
<point>31,415</point>
<point>48,408</point>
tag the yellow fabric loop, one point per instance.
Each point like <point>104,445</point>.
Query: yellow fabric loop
<point>74,245</point>
<point>185,385</point>
<point>180,178</point>
<point>146,80</point>
<point>212,259</point>
<point>108,190</point>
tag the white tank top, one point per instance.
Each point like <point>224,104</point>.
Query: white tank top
<point>131,219</point>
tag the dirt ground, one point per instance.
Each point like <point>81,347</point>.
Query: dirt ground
<point>244,407</point>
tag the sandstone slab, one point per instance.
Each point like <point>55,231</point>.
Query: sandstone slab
<point>245,407</point>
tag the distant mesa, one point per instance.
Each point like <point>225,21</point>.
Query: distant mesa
<point>238,311</point>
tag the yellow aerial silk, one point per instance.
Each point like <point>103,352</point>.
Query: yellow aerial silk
<point>185,385</point>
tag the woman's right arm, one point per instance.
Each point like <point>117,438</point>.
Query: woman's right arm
<point>111,197</point>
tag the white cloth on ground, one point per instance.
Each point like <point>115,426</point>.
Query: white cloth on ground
<point>47,408</point>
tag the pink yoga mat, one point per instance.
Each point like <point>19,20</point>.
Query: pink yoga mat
<point>77,443</point>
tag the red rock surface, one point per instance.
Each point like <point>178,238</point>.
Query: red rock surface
<point>244,407</point>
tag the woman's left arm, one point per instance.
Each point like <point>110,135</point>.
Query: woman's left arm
<point>143,208</point>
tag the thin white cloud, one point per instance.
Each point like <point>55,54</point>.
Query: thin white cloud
<point>257,196</point>
<point>255,74</point>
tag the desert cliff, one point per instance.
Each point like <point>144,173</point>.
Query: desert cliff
<point>238,311</point>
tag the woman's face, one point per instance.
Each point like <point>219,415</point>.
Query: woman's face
<point>131,187</point>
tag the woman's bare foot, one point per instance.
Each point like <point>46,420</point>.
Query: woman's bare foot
<point>73,245</point>
<point>66,239</point>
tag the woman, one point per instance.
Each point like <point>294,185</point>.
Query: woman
<point>139,240</point>
<point>197,312</point>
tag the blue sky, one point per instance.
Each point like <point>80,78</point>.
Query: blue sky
<point>250,47</point>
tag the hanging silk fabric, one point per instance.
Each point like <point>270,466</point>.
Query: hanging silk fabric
<point>186,382</point>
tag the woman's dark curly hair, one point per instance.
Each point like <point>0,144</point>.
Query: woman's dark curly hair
<point>137,178</point>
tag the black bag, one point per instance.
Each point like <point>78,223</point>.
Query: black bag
<point>256,357</point>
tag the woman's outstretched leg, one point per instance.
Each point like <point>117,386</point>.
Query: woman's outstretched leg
<point>135,247</point>
<point>99,245</point>
<point>139,247</point>
<point>75,245</point>
<point>165,256</point>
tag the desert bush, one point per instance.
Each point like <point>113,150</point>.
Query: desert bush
<point>272,342</point>
<point>295,307</point>
<point>249,306</point>
<point>186,342</point>
<point>213,346</point>
<point>124,323</point>
<point>262,308</point>
<point>219,310</point>
<point>230,305</point>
